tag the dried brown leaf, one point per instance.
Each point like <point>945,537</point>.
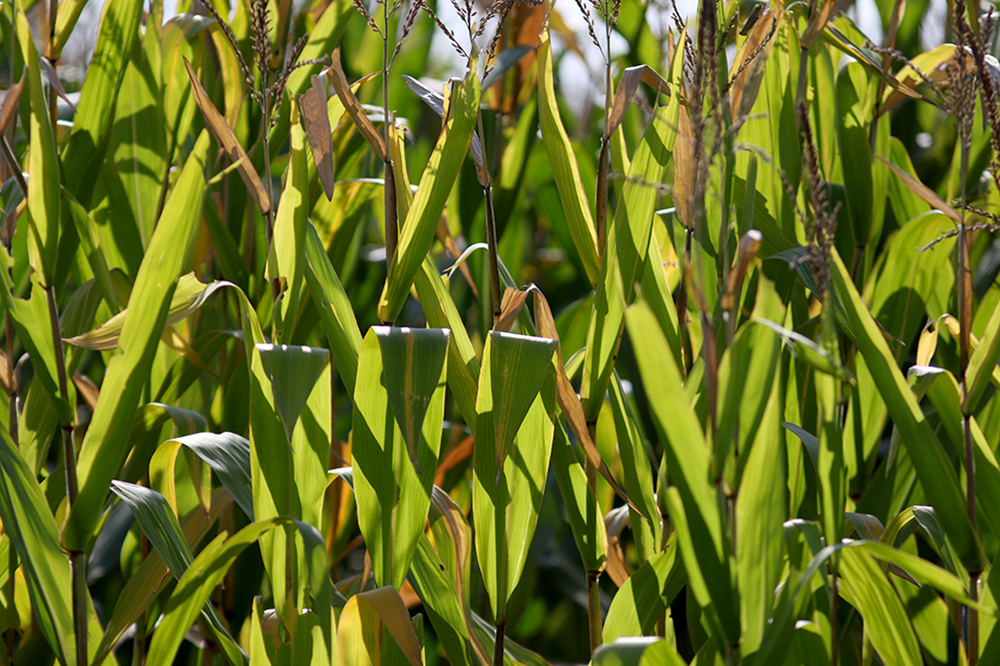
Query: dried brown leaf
<point>87,390</point>
<point>353,106</point>
<point>627,87</point>
<point>230,145</point>
<point>613,524</point>
<point>316,121</point>
<point>569,401</point>
<point>9,109</point>
<point>927,194</point>
<point>513,301</point>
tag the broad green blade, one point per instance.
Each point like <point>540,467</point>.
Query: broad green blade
<point>34,331</point>
<point>625,256</point>
<point>362,620</point>
<point>436,183</point>
<point>293,371</point>
<point>760,512</point>
<point>931,462</point>
<point>565,171</point>
<point>983,363</point>
<point>700,526</point>
<point>441,600</point>
<point>28,521</point>
<point>43,167</point>
<point>139,134</point>
<point>210,567</point>
<point>289,473</point>
<point>287,260</point>
<point>393,496</point>
<point>518,366</point>
<point>463,365</point>
<point>635,651</point>
<point>153,576</point>
<point>84,152</point>
<point>335,309</point>
<point>158,522</point>
<point>646,595</point>
<point>585,519</point>
<point>414,362</point>
<point>228,455</point>
<point>886,621</point>
<point>854,112</point>
<point>637,473</point>
<point>91,246</point>
<point>105,444</point>
<point>506,505</point>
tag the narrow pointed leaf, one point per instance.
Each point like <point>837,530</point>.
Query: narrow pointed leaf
<point>230,144</point>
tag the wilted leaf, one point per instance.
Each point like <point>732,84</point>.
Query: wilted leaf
<point>313,108</point>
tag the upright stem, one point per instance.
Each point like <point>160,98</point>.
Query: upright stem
<point>498,645</point>
<point>594,618</point>
<point>594,611</point>
<point>78,558</point>
<point>491,234</point>
<point>391,222</point>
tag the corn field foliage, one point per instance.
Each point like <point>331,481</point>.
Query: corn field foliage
<point>320,348</point>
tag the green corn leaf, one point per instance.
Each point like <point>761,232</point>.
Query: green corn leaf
<point>634,651</point>
<point>518,367</point>
<point>139,134</point>
<point>359,630</point>
<point>188,296</point>
<point>84,152</point>
<point>153,575</point>
<point>417,363</point>
<point>853,120</point>
<point>335,309</point>
<point>293,371</point>
<point>104,446</point>
<point>760,512</point>
<point>227,454</point>
<point>435,184</point>
<point>585,519</point>
<point>43,167</point>
<point>944,393</point>
<point>32,528</point>
<point>646,595</point>
<point>393,494</point>
<point>937,476</point>
<point>209,568</point>
<point>982,364</point>
<point>637,473</point>
<point>34,330</point>
<point>159,524</point>
<point>180,39</point>
<point>703,538</point>
<point>289,474</point>
<point>887,624</point>
<point>565,171</point>
<point>287,260</point>
<point>441,601</point>
<point>91,246</point>
<point>506,504</point>
<point>628,245</point>
<point>463,365</point>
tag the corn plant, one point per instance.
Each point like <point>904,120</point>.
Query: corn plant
<point>267,401</point>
